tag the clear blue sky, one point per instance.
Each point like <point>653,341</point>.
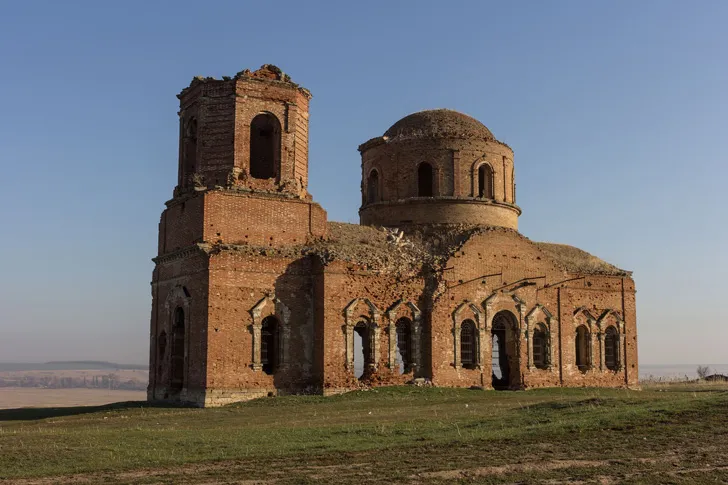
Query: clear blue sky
<point>617,112</point>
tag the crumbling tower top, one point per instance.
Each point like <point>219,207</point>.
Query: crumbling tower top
<point>248,132</point>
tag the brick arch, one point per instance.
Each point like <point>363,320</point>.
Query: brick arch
<point>611,318</point>
<point>410,310</point>
<point>265,154</point>
<point>178,297</point>
<point>368,196</point>
<point>582,316</point>
<point>426,179</point>
<point>497,302</point>
<point>606,314</point>
<point>267,306</point>
<point>504,300</point>
<point>356,307</point>
<point>475,178</point>
<point>468,310</point>
<point>550,322</point>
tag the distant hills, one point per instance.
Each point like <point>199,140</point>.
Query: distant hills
<point>69,365</point>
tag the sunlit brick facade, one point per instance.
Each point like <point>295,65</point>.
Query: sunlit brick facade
<point>255,293</point>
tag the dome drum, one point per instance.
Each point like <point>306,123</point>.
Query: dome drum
<point>438,166</point>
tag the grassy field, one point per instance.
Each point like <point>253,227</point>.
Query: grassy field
<point>663,434</point>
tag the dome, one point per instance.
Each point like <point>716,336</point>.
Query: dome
<point>439,123</point>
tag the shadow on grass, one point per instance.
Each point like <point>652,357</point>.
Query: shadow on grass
<point>31,414</point>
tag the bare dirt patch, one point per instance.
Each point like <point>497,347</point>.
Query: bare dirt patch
<point>21,397</point>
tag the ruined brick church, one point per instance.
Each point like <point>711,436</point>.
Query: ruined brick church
<point>255,293</point>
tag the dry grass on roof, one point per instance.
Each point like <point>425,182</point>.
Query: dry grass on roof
<point>375,248</point>
<point>575,260</point>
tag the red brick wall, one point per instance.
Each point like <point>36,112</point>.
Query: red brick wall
<point>225,290</point>
<point>224,110</point>
<point>181,224</point>
<point>516,258</point>
<point>221,287</point>
<point>342,284</point>
<point>290,106</point>
<point>240,218</point>
<point>171,275</point>
<point>455,165</point>
<point>439,211</point>
<point>237,283</point>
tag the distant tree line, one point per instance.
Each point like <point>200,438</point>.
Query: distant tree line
<point>104,381</point>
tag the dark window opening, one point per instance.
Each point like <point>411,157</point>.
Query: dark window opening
<point>178,350</point>
<point>362,349</point>
<point>403,328</point>
<point>265,146</point>
<point>468,344</point>
<point>189,153</point>
<point>540,347</point>
<point>504,351</point>
<point>269,344</point>
<point>373,187</point>
<point>582,348</point>
<point>485,181</point>
<point>424,180</point>
<point>611,348</point>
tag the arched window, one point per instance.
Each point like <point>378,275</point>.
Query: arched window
<point>363,355</point>
<point>582,349</point>
<point>265,146</point>
<point>403,329</point>
<point>424,180</point>
<point>468,344</point>
<point>189,154</point>
<point>540,347</point>
<point>485,181</point>
<point>177,359</point>
<point>269,344</point>
<point>373,187</point>
<point>611,348</point>
<point>513,185</point>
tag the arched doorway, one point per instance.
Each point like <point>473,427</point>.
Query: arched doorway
<point>504,351</point>
<point>362,348</point>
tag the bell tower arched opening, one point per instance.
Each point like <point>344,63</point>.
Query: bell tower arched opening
<point>265,146</point>
<point>188,164</point>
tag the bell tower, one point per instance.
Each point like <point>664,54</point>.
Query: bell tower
<point>243,164</point>
<point>245,132</point>
<point>241,189</point>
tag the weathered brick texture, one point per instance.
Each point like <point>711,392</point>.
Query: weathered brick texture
<point>238,252</point>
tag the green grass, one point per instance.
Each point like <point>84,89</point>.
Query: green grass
<point>667,434</point>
